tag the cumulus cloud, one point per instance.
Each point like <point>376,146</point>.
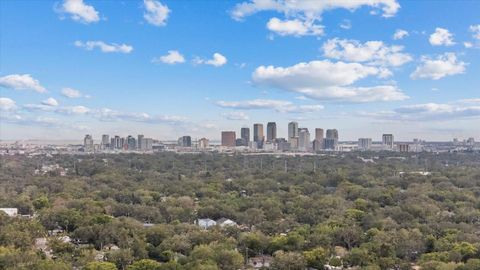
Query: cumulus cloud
<point>50,102</point>
<point>375,52</point>
<point>475,29</point>
<point>440,37</point>
<point>218,60</point>
<point>235,116</point>
<point>429,111</point>
<point>173,57</point>
<point>308,8</point>
<point>326,80</point>
<point>155,12</point>
<point>21,82</point>
<point>442,66</point>
<point>72,93</point>
<point>301,16</point>
<point>277,105</point>
<point>346,24</point>
<point>400,34</point>
<point>294,27</point>
<point>104,47</point>
<point>68,110</point>
<point>79,11</point>
<point>7,104</point>
<point>109,115</point>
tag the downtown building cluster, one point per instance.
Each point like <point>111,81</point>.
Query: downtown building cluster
<point>128,143</point>
<point>298,139</point>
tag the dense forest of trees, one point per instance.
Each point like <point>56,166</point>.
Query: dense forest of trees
<point>357,210</point>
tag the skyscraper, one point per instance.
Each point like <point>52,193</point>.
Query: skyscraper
<point>185,141</point>
<point>364,143</point>
<point>105,140</point>
<point>88,143</point>
<point>131,143</point>
<point>318,142</point>
<point>140,142</point>
<point>292,130</point>
<point>228,138</point>
<point>271,131</point>
<point>258,134</point>
<point>245,135</point>
<point>331,140</point>
<point>117,142</point>
<point>303,139</point>
<point>332,134</point>
<point>387,141</point>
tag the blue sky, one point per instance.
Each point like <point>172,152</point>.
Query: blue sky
<point>171,68</point>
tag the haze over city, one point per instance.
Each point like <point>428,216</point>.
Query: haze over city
<point>167,69</point>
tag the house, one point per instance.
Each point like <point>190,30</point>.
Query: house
<point>262,261</point>
<point>226,222</point>
<point>11,212</point>
<point>111,247</point>
<point>206,223</point>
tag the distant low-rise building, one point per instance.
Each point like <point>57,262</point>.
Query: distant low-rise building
<point>11,212</point>
<point>223,222</point>
<point>206,223</point>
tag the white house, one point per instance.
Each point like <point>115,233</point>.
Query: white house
<point>226,222</point>
<point>206,223</point>
<point>11,212</point>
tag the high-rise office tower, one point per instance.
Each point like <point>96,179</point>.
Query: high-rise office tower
<point>245,135</point>
<point>387,141</point>
<point>271,131</point>
<point>318,142</point>
<point>303,139</point>
<point>105,140</point>
<point>228,138</point>
<point>331,140</point>
<point>140,142</point>
<point>292,130</point>
<point>112,143</point>
<point>131,143</point>
<point>117,142</point>
<point>319,134</point>
<point>258,134</point>
<point>88,143</point>
<point>185,141</point>
<point>332,134</point>
<point>203,143</point>
<point>364,143</point>
<point>147,144</point>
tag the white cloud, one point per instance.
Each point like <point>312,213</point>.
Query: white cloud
<point>21,82</point>
<point>7,104</point>
<point>73,93</point>
<point>78,110</point>
<point>375,52</point>
<point>346,24</point>
<point>301,15</point>
<point>277,105</point>
<point>173,57</point>
<point>104,47</point>
<point>444,65</point>
<point>308,8</point>
<point>325,80</point>
<point>79,11</point>
<point>468,44</point>
<point>50,102</point>
<point>430,111</point>
<point>235,116</point>
<point>155,12</point>
<point>475,29</point>
<point>400,34</point>
<point>106,114</point>
<point>217,60</point>
<point>440,37</point>
<point>294,27</point>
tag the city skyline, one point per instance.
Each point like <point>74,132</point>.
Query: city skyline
<point>171,68</point>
